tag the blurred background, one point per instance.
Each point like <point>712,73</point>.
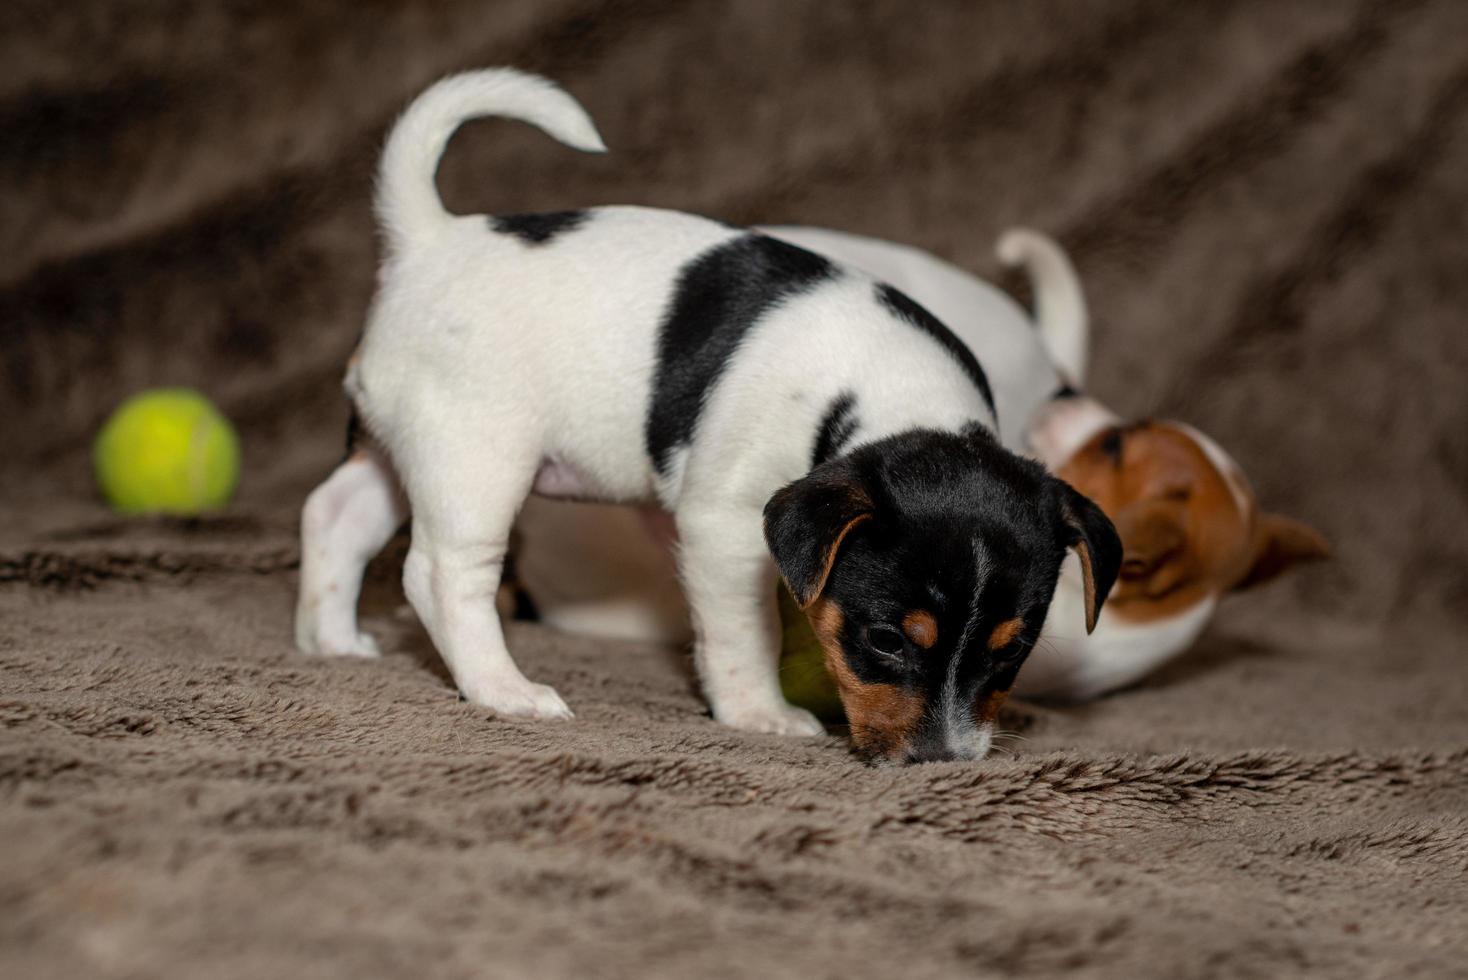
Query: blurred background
<point>1266,201</point>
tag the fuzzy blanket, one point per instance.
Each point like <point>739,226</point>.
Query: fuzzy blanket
<point>1268,202</point>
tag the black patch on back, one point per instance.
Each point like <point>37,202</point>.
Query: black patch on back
<point>720,295</point>
<point>537,229</point>
<point>909,310</point>
<point>837,428</point>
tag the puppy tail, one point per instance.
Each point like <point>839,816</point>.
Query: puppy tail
<point>1060,305</point>
<point>408,204</point>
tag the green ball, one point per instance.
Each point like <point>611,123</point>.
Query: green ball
<point>167,451</point>
<point>803,675</point>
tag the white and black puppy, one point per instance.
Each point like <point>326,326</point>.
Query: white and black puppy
<point>1191,527</point>
<point>775,403</point>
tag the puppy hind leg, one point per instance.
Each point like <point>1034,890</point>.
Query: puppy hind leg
<point>730,581</point>
<point>463,509</point>
<point>344,523</point>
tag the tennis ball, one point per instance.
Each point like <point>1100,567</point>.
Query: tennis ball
<point>167,451</point>
<point>803,675</point>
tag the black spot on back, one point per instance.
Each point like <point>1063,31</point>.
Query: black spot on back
<point>719,296</point>
<point>837,428</point>
<point>907,309</point>
<point>537,229</point>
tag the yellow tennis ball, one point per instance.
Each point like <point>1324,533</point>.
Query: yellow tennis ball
<point>803,675</point>
<point>167,451</point>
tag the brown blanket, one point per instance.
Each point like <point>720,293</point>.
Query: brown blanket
<point>1267,201</point>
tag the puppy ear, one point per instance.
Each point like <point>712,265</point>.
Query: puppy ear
<point>806,522</point>
<point>1090,532</point>
<point>1279,543</point>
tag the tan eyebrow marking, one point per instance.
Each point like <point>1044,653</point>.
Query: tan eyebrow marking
<point>1005,632</point>
<point>921,628</point>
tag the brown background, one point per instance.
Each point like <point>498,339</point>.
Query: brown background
<point>1267,202</point>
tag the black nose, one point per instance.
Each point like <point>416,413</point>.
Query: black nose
<point>927,754</point>
<point>934,750</point>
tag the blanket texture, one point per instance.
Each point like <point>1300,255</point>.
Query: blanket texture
<point>1268,202</point>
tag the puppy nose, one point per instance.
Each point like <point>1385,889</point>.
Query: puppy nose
<point>927,753</point>
<point>937,751</point>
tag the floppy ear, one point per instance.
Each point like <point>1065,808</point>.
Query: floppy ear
<point>806,522</point>
<point>1280,542</point>
<point>1091,534</point>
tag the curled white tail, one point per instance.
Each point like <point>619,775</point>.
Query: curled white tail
<point>1060,305</point>
<point>408,204</point>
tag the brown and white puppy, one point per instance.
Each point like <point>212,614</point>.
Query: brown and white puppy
<point>1190,525</point>
<point>1192,530</point>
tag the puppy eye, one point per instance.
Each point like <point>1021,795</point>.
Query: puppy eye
<point>886,640</point>
<point>1180,494</point>
<point>1005,654</point>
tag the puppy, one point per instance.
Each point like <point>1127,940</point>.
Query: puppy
<point>776,403</point>
<point>1190,525</point>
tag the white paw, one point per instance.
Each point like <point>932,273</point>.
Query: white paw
<point>346,645</point>
<point>522,700</point>
<point>361,645</point>
<point>780,719</point>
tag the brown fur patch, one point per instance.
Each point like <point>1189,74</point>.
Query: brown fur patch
<point>883,717</point>
<point>1182,535</point>
<point>986,709</point>
<point>921,628</point>
<point>1005,632</point>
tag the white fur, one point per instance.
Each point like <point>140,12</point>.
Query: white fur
<point>1020,363</point>
<point>1060,304</point>
<point>1060,427</point>
<point>408,205</point>
<point>1068,665</point>
<point>993,326</point>
<point>345,522</point>
<point>490,367</point>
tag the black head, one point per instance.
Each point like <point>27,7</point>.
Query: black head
<point>926,563</point>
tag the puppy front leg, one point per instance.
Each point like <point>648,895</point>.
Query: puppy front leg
<point>730,581</point>
<point>462,512</point>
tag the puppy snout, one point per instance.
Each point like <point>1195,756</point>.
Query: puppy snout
<point>943,753</point>
<point>948,746</point>
<point>932,753</point>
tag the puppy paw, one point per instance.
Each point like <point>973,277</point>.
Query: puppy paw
<point>781,719</point>
<point>360,645</point>
<point>347,645</point>
<point>522,700</point>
